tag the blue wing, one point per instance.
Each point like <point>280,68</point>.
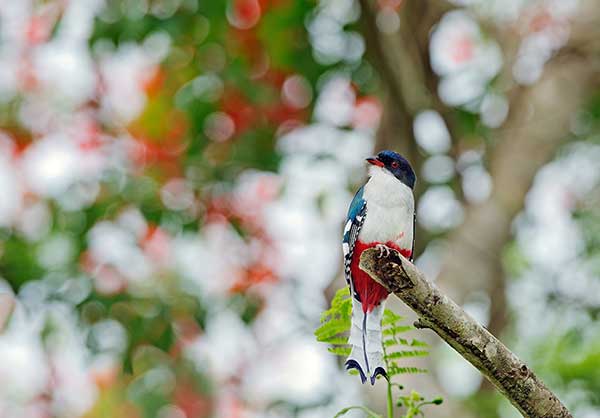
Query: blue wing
<point>354,222</point>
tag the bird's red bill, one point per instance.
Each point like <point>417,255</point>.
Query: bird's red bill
<point>375,161</point>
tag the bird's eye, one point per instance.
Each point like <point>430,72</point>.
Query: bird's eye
<point>395,164</point>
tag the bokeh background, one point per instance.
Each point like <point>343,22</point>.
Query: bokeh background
<point>174,175</point>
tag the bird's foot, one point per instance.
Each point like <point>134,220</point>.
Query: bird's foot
<point>383,249</point>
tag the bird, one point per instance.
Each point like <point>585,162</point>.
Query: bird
<point>381,215</point>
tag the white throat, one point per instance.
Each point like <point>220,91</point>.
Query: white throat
<point>386,190</point>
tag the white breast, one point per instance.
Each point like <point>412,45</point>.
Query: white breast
<point>390,210</point>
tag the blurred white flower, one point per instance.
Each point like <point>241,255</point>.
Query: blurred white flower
<point>335,104</point>
<point>40,376</point>
<point>51,165</point>
<point>439,209</point>
<point>213,261</point>
<point>296,92</point>
<point>463,57</point>
<point>56,164</point>
<point>226,348</point>
<point>476,183</point>
<point>56,251</point>
<point>552,238</point>
<point>66,72</point>
<point>176,194</point>
<point>35,220</point>
<point>431,132</point>
<point>457,44</point>
<point>311,139</point>
<point>22,361</point>
<point>123,73</point>
<point>327,39</point>
<point>254,191</point>
<point>438,169</point>
<point>295,370</point>
<point>330,41</point>
<point>494,110</point>
<point>108,336</point>
<point>545,29</point>
<point>343,11</point>
<point>114,246</point>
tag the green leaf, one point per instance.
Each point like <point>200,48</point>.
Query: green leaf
<point>417,343</point>
<point>340,351</point>
<point>398,341</point>
<point>390,342</point>
<point>396,370</point>
<point>407,353</point>
<point>329,331</point>
<point>397,329</point>
<point>390,317</point>
<point>341,306</point>
<point>336,320</point>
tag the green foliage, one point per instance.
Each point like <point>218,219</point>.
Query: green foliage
<point>393,343</point>
<point>333,330</point>
<point>335,322</point>
<point>414,402</point>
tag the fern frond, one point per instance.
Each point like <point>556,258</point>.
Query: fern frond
<point>342,351</point>
<point>407,353</point>
<point>396,340</point>
<point>390,317</point>
<point>418,343</point>
<point>397,329</point>
<point>341,306</point>
<point>395,370</point>
<point>335,323</point>
<point>331,330</point>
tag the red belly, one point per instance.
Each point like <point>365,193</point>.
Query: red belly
<point>371,293</point>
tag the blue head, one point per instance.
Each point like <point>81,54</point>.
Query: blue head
<point>397,165</point>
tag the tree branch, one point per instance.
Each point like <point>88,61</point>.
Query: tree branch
<point>477,345</point>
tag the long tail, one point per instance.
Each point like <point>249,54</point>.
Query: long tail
<point>365,338</point>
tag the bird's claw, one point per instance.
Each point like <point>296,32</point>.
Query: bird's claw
<point>383,249</point>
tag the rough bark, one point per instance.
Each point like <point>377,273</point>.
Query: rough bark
<point>513,378</point>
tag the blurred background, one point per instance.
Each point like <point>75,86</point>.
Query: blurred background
<point>174,175</point>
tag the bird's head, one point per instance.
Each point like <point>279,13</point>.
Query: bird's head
<point>396,165</point>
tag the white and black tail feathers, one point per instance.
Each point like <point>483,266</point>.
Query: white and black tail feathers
<point>365,341</point>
